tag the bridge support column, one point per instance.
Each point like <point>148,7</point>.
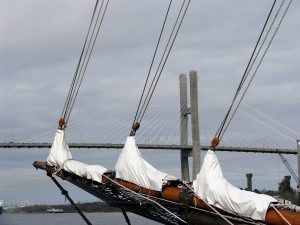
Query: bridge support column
<point>195,123</point>
<point>249,181</point>
<point>185,174</point>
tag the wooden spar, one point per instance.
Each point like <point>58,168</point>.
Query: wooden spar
<point>272,217</point>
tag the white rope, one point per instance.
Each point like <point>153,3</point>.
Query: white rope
<point>280,214</point>
<point>145,198</point>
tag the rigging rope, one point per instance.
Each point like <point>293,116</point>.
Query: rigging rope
<point>219,131</point>
<point>236,102</point>
<point>145,101</point>
<point>87,49</point>
<point>67,196</point>
<point>161,32</point>
<point>163,62</point>
<point>260,61</point>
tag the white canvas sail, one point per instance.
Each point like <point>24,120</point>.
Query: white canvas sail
<point>133,168</point>
<point>61,157</point>
<point>214,189</point>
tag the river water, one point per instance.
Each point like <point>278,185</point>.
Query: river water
<point>72,219</point>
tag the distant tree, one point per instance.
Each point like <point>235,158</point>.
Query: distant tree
<point>285,190</point>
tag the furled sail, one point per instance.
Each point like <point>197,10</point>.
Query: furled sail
<point>61,157</point>
<point>212,187</point>
<point>133,168</point>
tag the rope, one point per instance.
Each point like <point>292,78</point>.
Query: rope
<point>149,199</point>
<point>78,64</point>
<point>260,61</point>
<point>164,58</point>
<point>89,55</point>
<point>126,217</point>
<point>230,114</point>
<point>160,35</point>
<point>65,193</point>
<point>144,101</point>
<point>280,214</point>
<point>220,129</point>
<point>87,49</point>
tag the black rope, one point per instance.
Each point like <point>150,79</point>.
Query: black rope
<point>260,61</point>
<point>220,129</point>
<point>84,58</point>
<point>65,193</point>
<point>160,62</point>
<point>157,44</point>
<point>163,62</point>
<point>126,217</point>
<point>85,61</point>
<point>78,64</point>
<point>89,56</point>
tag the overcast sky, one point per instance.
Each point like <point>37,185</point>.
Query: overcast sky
<point>40,43</point>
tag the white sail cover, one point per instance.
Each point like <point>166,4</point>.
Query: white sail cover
<point>133,168</point>
<point>213,188</point>
<point>60,156</point>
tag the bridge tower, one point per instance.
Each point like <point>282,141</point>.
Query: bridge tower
<point>185,111</point>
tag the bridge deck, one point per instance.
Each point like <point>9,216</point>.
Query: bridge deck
<point>151,146</point>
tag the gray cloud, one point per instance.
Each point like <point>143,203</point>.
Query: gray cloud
<point>40,42</point>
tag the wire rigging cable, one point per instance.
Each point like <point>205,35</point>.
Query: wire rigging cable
<point>145,100</point>
<point>246,81</point>
<point>87,49</point>
<point>152,61</point>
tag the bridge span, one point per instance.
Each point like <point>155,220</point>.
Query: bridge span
<point>187,148</point>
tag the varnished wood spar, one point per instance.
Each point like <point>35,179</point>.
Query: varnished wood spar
<point>272,217</point>
<point>173,194</point>
<point>137,188</point>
